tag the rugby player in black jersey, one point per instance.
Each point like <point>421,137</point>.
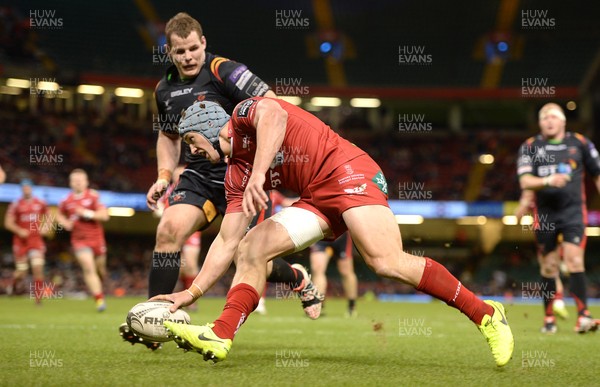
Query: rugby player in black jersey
<point>551,169</point>
<point>199,198</point>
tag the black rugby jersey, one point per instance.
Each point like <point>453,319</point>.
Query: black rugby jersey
<point>574,155</point>
<point>220,80</point>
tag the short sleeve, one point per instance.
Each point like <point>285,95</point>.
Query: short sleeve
<point>525,159</point>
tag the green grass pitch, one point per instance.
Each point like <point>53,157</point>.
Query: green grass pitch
<point>66,343</point>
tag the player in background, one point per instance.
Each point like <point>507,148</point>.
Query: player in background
<point>527,206</point>
<point>27,219</point>
<point>82,213</point>
<point>340,249</point>
<point>199,198</point>
<point>190,252</point>
<point>551,168</point>
<point>2,175</point>
<point>273,144</point>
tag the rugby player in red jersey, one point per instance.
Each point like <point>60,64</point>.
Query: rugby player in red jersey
<point>82,213</point>
<point>199,198</point>
<point>272,144</point>
<point>27,219</point>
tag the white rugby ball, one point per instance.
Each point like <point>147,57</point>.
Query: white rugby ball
<point>146,319</point>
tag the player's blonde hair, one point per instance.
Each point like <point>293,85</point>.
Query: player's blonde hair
<point>78,170</point>
<point>552,108</point>
<point>182,25</point>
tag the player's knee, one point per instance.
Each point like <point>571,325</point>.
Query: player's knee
<point>247,252</point>
<point>88,270</point>
<point>38,262</point>
<point>168,233</point>
<point>549,270</point>
<point>253,248</point>
<point>317,267</point>
<point>345,272</point>
<point>22,266</point>
<point>380,266</point>
<point>575,264</point>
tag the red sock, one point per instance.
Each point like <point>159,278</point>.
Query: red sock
<point>187,281</point>
<point>242,299</point>
<point>98,296</point>
<point>558,296</point>
<point>439,283</point>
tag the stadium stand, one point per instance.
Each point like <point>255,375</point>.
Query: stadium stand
<point>115,143</point>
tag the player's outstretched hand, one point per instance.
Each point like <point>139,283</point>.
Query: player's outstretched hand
<point>155,192</point>
<point>178,299</point>
<point>255,197</point>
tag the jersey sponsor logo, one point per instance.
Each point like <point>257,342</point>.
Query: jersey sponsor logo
<point>180,92</point>
<point>243,79</point>
<point>559,147</point>
<point>379,179</point>
<point>566,168</point>
<point>256,87</point>
<point>237,73</point>
<point>546,170</point>
<point>359,190</point>
<point>244,108</point>
<point>354,177</point>
<point>348,169</point>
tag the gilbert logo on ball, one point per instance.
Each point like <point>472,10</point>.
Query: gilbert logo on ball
<point>146,320</point>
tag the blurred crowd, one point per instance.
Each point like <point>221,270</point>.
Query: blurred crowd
<point>117,149</point>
